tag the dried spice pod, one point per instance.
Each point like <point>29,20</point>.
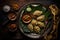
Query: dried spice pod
<point>54,9</point>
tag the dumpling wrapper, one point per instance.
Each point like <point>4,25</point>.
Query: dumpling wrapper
<point>40,24</point>
<point>30,27</point>
<point>41,18</point>
<point>37,29</point>
<point>34,22</point>
<point>37,13</point>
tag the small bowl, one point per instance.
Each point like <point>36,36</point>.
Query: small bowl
<point>12,27</point>
<point>12,16</point>
<point>26,18</point>
<point>15,6</point>
<point>6,8</point>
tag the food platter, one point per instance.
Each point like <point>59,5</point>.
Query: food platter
<point>25,19</point>
<point>35,20</point>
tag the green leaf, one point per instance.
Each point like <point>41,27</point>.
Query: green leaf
<point>25,29</point>
<point>44,9</point>
<point>48,24</point>
<point>47,14</point>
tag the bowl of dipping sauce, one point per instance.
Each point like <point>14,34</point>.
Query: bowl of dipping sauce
<point>15,6</point>
<point>12,27</point>
<point>26,18</point>
<point>12,16</point>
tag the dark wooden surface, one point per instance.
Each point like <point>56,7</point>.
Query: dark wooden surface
<point>5,34</point>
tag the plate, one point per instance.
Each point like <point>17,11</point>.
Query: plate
<point>35,20</point>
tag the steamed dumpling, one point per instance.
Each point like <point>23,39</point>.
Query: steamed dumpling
<point>30,27</point>
<point>41,18</point>
<point>40,24</point>
<point>34,22</point>
<point>36,29</point>
<point>37,13</point>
